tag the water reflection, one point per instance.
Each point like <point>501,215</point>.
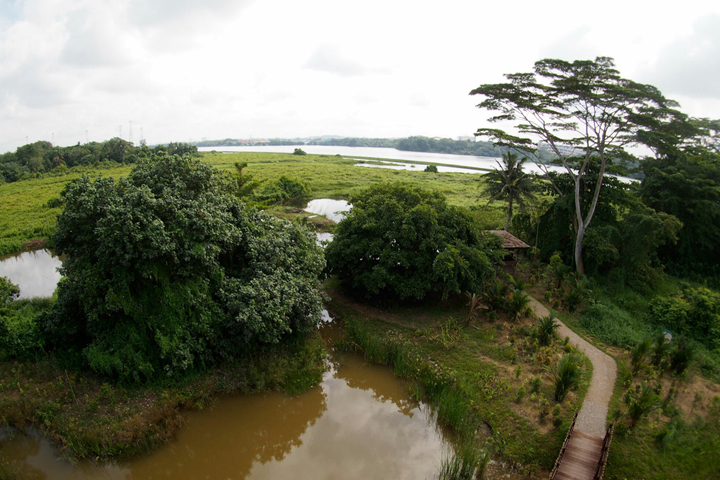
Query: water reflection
<point>34,272</point>
<point>238,433</point>
<point>332,209</point>
<point>324,238</point>
<point>358,423</point>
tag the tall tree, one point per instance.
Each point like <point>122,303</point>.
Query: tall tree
<point>580,110</point>
<point>510,183</point>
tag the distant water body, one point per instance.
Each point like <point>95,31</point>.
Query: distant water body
<point>487,163</point>
<point>470,161</point>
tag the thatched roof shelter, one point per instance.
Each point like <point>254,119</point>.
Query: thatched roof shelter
<point>510,241</point>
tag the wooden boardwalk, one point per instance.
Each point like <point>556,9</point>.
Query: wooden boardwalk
<point>581,458</point>
<point>584,453</point>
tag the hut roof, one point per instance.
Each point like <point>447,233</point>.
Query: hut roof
<point>510,241</point>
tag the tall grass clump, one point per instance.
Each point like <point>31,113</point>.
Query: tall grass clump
<point>466,462</point>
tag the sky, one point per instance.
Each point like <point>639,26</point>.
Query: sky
<point>184,70</point>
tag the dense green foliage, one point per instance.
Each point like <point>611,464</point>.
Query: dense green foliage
<point>167,271</point>
<point>695,312</point>
<point>285,190</point>
<point>41,157</point>
<point>585,113</point>
<point>688,187</point>
<point>401,242</point>
<point>19,336</point>
<point>623,240</point>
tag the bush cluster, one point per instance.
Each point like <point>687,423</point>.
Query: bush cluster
<point>167,271</point>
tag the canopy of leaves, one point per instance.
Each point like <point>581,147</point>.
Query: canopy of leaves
<point>400,242</point>
<point>688,187</point>
<point>40,157</point>
<point>625,236</point>
<point>586,114</point>
<point>167,271</point>
<point>695,312</point>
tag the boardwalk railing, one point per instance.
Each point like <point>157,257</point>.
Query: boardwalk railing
<point>605,451</point>
<point>564,447</point>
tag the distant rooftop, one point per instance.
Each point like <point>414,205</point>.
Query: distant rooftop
<point>510,241</point>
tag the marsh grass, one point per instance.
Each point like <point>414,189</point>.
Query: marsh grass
<point>26,214</point>
<point>467,462</point>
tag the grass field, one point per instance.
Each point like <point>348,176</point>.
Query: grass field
<point>25,214</point>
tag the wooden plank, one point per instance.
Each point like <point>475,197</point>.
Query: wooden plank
<point>581,458</point>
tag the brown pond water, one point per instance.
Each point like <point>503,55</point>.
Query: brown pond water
<point>359,423</point>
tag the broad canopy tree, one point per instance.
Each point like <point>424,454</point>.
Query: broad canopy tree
<point>167,270</point>
<point>400,242</point>
<point>582,111</point>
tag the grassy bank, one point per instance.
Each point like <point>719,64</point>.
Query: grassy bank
<point>489,381</point>
<point>90,418</point>
<point>27,211</point>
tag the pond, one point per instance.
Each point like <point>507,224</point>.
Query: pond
<point>332,209</point>
<point>34,272</point>
<point>413,167</point>
<point>359,423</point>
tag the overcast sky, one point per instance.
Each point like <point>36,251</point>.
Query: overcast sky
<point>183,70</point>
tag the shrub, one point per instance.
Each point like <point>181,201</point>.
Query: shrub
<point>640,401</point>
<point>8,291</point>
<point>299,151</point>
<point>546,328</point>
<point>168,271</point>
<point>660,350</point>
<point>285,190</point>
<point>496,295</point>
<point>696,312</point>
<point>639,353</point>
<point>567,376</point>
<point>431,169</point>
<point>682,355</point>
<point>518,305</point>
<point>400,242</point>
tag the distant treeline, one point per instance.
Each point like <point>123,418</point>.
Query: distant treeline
<point>426,144</point>
<point>420,144</point>
<point>41,157</point>
<point>235,142</point>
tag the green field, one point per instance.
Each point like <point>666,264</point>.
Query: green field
<point>25,214</point>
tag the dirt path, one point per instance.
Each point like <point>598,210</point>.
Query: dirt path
<point>593,414</point>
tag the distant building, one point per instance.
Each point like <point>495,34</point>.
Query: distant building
<point>565,150</point>
<point>466,138</point>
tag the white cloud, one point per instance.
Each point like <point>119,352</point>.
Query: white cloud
<point>386,68</point>
<point>690,65</point>
<point>328,58</point>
